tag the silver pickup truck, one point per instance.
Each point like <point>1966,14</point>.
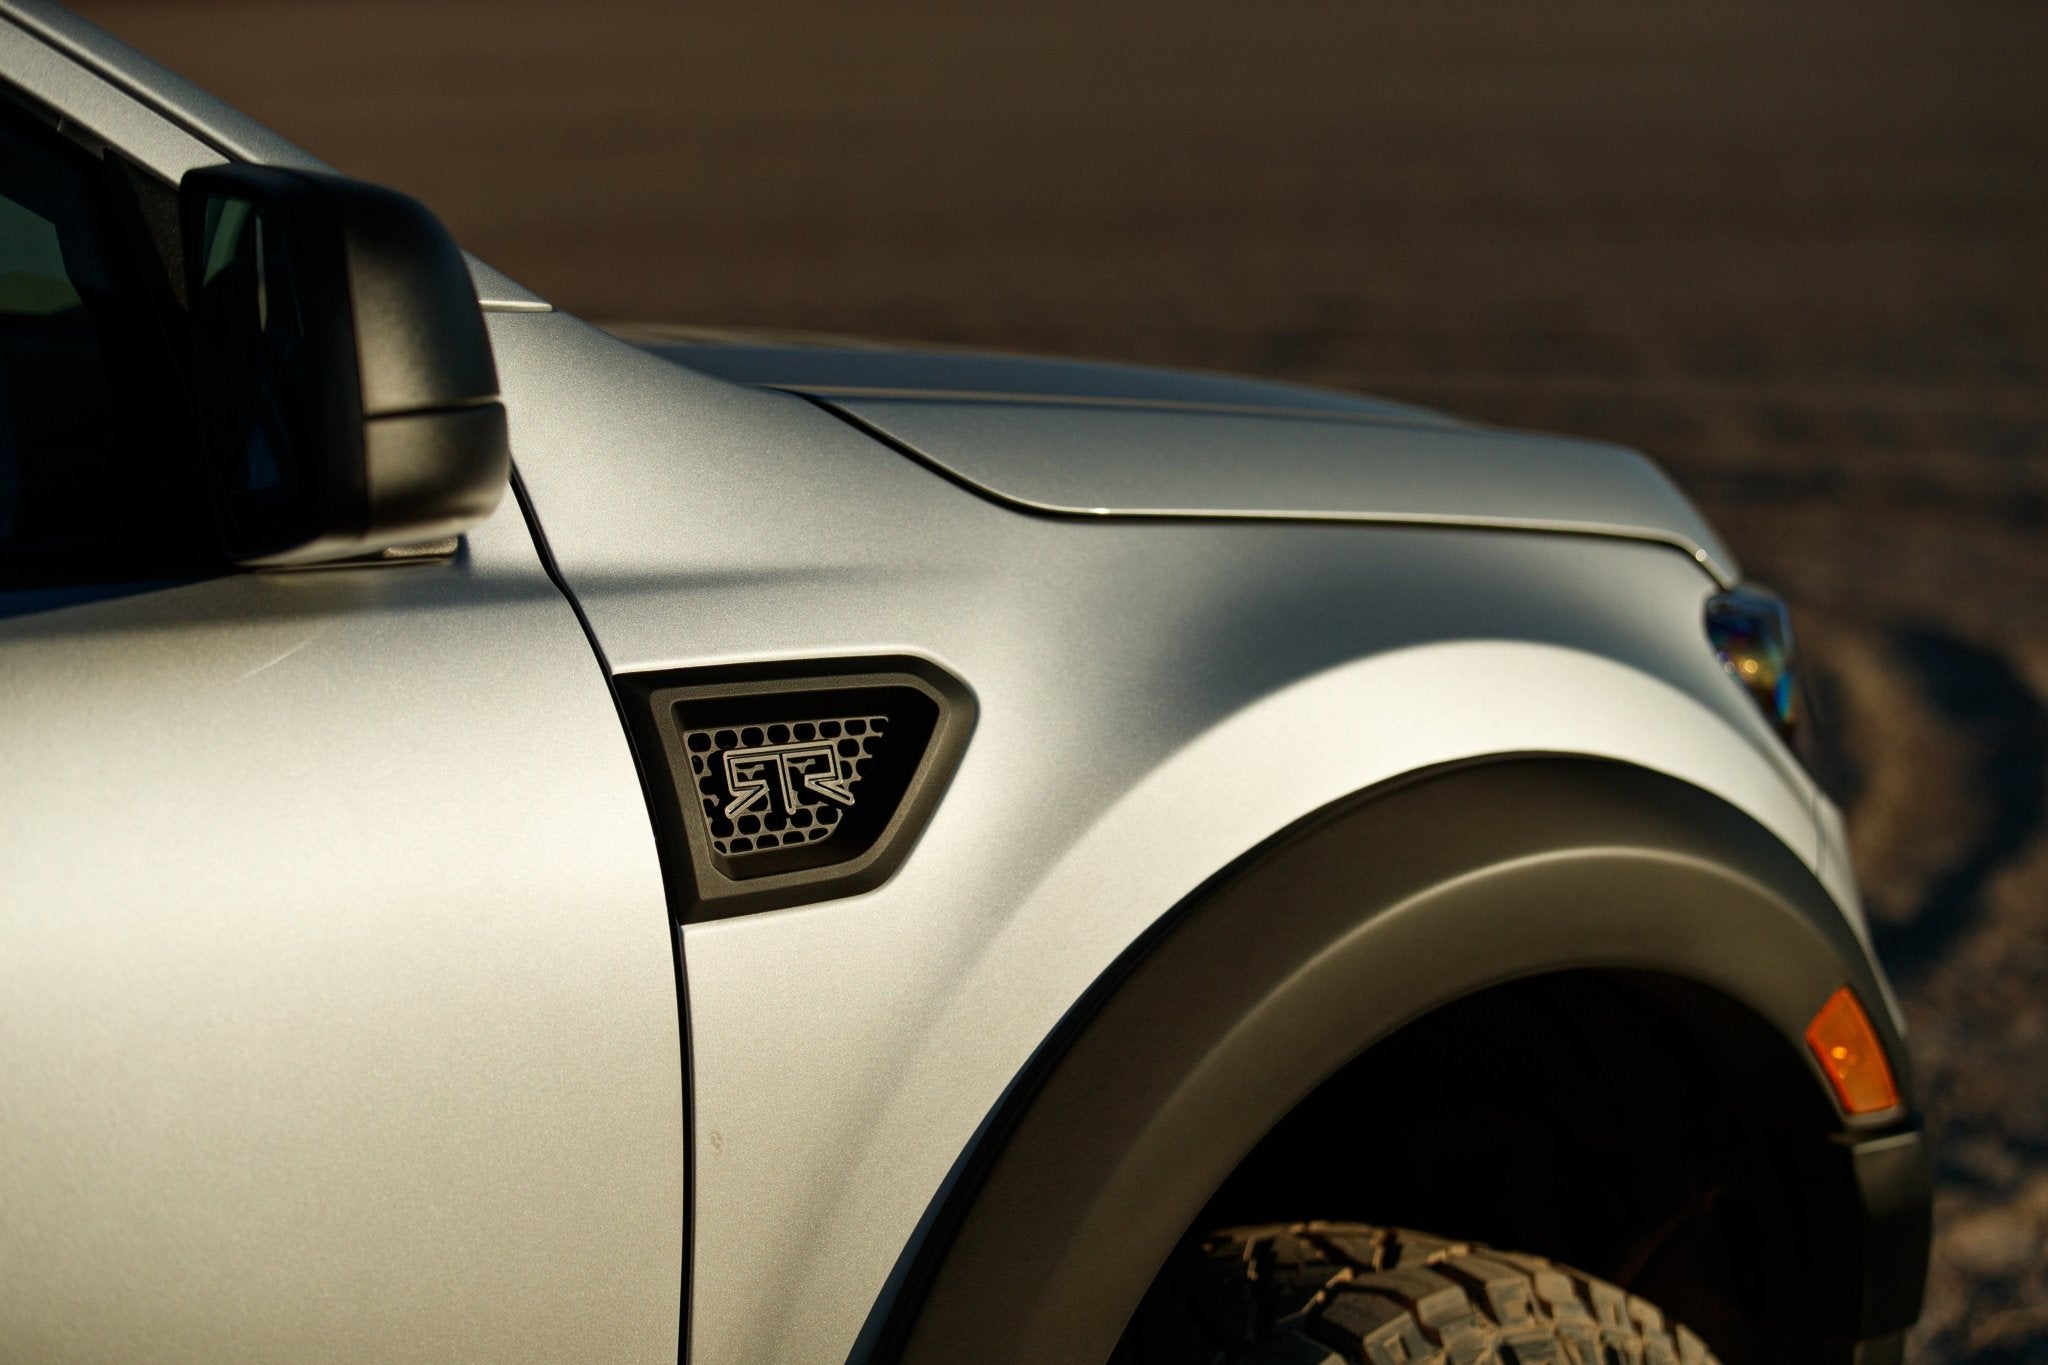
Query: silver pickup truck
<point>530,843</point>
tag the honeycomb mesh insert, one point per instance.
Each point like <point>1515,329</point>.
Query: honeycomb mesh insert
<point>766,787</point>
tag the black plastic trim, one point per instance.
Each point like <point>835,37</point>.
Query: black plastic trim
<point>382,408</point>
<point>1329,937</point>
<point>1880,1190</point>
<point>705,884</point>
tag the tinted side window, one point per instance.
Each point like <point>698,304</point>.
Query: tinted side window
<point>89,464</point>
<point>56,401</point>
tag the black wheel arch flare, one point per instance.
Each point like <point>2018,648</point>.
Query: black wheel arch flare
<point>1330,936</point>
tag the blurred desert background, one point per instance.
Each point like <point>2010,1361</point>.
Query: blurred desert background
<point>1794,252</point>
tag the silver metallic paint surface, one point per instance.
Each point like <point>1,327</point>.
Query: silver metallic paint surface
<point>1100,439</point>
<point>881,369</point>
<point>102,109</point>
<point>166,93</point>
<point>1155,698</point>
<point>158,118</point>
<point>1131,462</point>
<point>337,1010</point>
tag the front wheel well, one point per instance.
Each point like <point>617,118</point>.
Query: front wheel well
<point>1337,934</point>
<point>1634,1125</point>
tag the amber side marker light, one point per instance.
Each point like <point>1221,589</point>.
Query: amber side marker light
<point>1846,1045</point>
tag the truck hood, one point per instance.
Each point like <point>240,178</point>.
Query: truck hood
<point>1104,440</point>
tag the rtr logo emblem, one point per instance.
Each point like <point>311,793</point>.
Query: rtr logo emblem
<point>805,768</point>
<point>779,786</point>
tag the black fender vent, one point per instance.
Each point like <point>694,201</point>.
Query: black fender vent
<point>773,785</point>
<point>782,786</point>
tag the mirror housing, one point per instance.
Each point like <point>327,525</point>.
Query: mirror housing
<point>349,396</point>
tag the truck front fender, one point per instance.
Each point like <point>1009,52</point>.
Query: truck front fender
<point>1327,938</point>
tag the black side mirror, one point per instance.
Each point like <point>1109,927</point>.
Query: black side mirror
<point>350,395</point>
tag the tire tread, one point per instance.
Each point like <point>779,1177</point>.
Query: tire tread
<point>1355,1294</point>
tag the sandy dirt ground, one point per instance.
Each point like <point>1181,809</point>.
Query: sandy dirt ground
<point>1799,253</point>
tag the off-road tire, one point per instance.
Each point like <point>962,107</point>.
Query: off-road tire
<point>1349,1294</point>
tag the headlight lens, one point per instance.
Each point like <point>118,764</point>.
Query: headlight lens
<point>1751,633</point>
